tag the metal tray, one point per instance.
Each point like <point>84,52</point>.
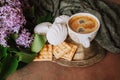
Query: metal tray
<point>92,55</point>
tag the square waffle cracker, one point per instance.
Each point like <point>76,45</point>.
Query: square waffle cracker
<point>60,50</point>
<point>69,55</point>
<point>45,54</point>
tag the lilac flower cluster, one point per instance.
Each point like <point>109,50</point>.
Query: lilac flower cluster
<point>12,18</point>
<point>12,3</point>
<point>2,36</point>
<point>12,21</point>
<point>24,38</point>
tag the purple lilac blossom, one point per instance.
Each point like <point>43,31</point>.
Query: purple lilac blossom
<point>12,21</point>
<point>24,38</point>
<point>12,3</point>
<point>12,18</point>
<point>2,37</point>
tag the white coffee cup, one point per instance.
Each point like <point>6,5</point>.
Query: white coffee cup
<point>87,37</point>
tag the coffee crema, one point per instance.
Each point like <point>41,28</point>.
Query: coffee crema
<point>83,24</point>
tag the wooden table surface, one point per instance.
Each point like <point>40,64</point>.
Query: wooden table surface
<point>107,69</point>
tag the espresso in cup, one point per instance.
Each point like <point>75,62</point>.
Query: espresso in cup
<point>83,24</point>
<point>83,27</point>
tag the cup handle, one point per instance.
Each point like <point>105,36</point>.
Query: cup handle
<point>85,42</point>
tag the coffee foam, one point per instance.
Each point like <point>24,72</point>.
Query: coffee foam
<point>83,24</point>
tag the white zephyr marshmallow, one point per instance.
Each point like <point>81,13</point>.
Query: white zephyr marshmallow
<point>42,28</point>
<point>62,19</point>
<point>57,34</point>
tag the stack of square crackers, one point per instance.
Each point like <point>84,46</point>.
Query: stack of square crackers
<point>63,50</point>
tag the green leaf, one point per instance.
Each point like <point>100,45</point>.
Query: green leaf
<point>11,42</point>
<point>3,52</point>
<point>38,43</point>
<point>32,11</point>
<point>9,66</point>
<point>0,67</point>
<point>25,57</point>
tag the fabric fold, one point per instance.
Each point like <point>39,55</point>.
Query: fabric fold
<point>108,36</point>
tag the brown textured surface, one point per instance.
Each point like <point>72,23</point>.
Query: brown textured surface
<point>107,69</point>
